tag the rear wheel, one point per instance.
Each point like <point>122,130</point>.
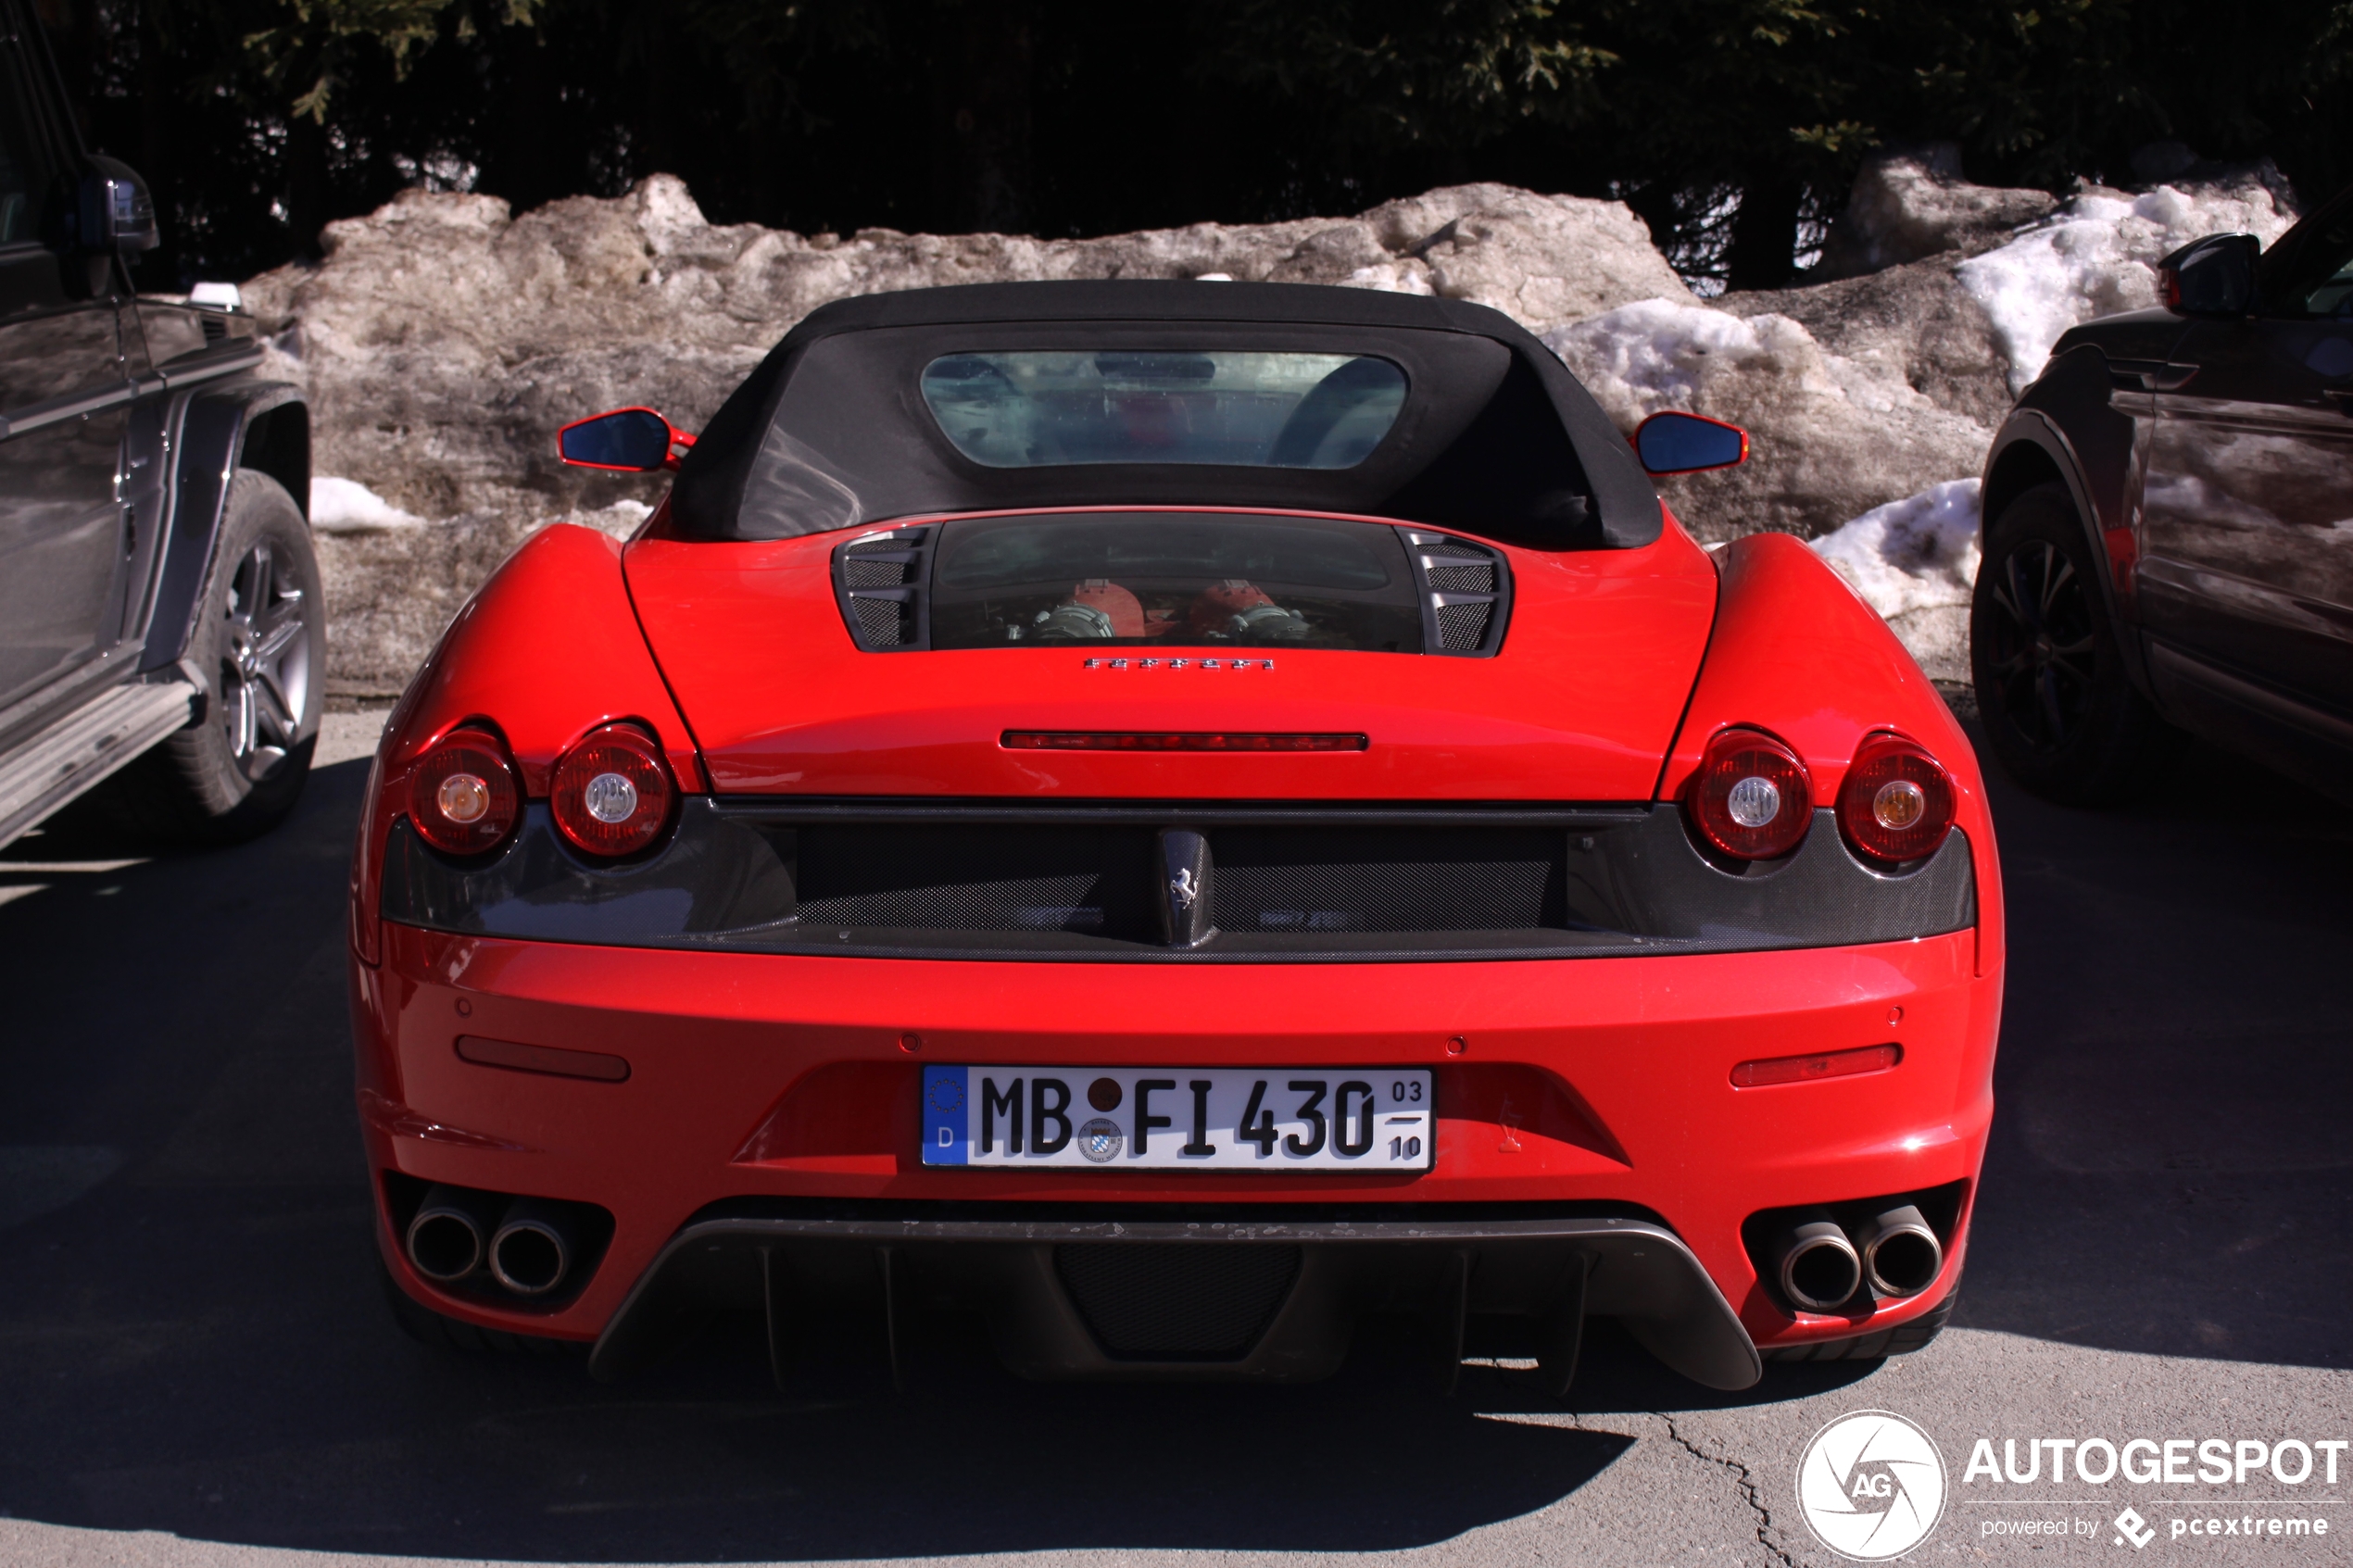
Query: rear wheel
<point>260,644</point>
<point>2060,712</point>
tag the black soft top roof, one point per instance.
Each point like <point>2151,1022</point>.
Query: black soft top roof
<point>1496,437</point>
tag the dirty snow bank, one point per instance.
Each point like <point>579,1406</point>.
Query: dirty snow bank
<point>2097,255</point>
<point>1915,561</point>
<point>346,506</point>
<point>1831,437</point>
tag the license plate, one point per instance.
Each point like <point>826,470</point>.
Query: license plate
<point>1266,1118</point>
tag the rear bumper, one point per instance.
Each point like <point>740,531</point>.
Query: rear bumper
<point>1593,1094</point>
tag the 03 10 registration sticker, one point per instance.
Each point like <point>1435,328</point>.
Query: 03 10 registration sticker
<point>1265,1118</point>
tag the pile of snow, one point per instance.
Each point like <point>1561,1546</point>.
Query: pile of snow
<point>2097,255</point>
<point>1831,437</point>
<point>346,506</point>
<point>1915,561</point>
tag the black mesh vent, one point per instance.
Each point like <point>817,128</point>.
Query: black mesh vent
<point>1177,1301</point>
<point>1461,626</point>
<point>1095,881</point>
<point>859,572</point>
<point>882,581</point>
<point>878,619</point>
<point>1308,880</point>
<point>1478,579</point>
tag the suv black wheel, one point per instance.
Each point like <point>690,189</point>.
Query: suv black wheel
<point>2059,711</point>
<point>260,644</point>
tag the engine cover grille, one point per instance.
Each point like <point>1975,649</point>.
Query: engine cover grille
<point>1177,1301</point>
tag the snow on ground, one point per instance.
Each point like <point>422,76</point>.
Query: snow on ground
<point>1915,561</point>
<point>2097,255</point>
<point>1912,554</point>
<point>346,506</point>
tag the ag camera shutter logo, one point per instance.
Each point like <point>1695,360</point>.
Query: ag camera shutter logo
<point>1870,1485</point>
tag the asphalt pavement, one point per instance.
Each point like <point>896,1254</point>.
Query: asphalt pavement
<point>196,1367</point>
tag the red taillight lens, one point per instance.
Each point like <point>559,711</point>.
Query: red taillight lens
<point>1897,804</point>
<point>462,795</point>
<point>1811,1069</point>
<point>613,793</point>
<point>1750,798</point>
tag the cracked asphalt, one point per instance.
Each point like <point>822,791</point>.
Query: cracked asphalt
<point>195,1367</point>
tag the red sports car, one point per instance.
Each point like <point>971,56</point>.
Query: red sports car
<point>1173,816</point>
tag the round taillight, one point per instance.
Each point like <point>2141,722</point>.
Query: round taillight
<point>1897,804</point>
<point>1750,798</point>
<point>612,792</point>
<point>462,794</point>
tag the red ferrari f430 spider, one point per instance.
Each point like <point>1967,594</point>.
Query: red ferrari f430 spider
<point>1172,817</point>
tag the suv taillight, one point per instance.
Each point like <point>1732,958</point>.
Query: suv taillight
<point>462,795</point>
<point>1897,804</point>
<point>1750,798</point>
<point>613,793</point>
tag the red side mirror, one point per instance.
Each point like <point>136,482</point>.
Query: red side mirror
<point>621,441</point>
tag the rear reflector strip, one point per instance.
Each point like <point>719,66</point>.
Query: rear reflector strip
<point>1082,740</point>
<point>1806,1069</point>
<point>543,1059</point>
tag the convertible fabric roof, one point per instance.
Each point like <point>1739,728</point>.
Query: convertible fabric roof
<point>1495,437</point>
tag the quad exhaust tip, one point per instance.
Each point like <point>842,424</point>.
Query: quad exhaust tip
<point>444,1241</point>
<point>532,1251</point>
<point>1901,1254</point>
<point>528,1247</point>
<point>1819,1268</point>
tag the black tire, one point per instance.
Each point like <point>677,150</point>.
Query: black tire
<point>260,644</point>
<point>2059,709</point>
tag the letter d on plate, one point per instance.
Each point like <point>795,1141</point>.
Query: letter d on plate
<point>945,1098</point>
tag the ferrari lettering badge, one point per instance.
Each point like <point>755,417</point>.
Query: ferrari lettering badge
<point>1219,664</point>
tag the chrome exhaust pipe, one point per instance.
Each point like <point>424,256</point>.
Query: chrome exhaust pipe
<point>1819,1268</point>
<point>532,1250</point>
<point>1901,1254</point>
<point>446,1239</point>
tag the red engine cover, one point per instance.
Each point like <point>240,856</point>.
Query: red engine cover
<point>1581,704</point>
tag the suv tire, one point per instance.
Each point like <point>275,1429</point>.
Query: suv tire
<point>260,647</point>
<point>2059,709</point>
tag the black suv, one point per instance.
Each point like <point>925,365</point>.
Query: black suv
<point>2168,528</point>
<point>161,627</point>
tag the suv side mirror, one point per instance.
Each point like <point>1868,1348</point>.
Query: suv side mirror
<point>117,213</point>
<point>2214,276</point>
<point>1675,443</point>
<point>622,440</point>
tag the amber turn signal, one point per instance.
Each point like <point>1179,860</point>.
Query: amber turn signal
<point>462,794</point>
<point>1896,802</point>
<point>613,793</point>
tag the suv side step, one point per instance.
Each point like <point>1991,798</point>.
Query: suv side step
<point>79,750</point>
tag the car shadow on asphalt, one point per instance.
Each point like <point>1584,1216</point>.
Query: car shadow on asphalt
<point>2171,1165</point>
<point>192,1340</point>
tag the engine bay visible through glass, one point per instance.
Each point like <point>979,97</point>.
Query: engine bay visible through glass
<point>1174,580</point>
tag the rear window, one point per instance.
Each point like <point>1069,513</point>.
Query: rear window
<point>1236,407</point>
<point>1174,580</point>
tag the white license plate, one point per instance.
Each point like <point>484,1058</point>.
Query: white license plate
<point>1267,1118</point>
